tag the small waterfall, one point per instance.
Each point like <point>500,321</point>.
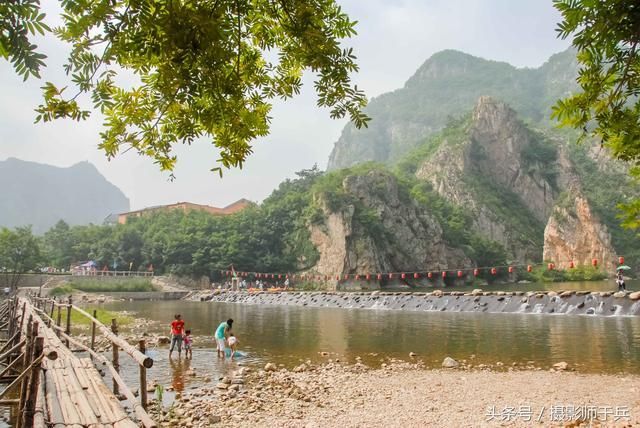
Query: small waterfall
<point>618,310</point>
<point>590,304</point>
<point>379,305</point>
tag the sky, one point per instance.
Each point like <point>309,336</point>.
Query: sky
<point>394,38</point>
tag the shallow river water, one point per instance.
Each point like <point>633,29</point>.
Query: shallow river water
<point>288,335</point>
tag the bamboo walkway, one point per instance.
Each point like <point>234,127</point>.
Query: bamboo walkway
<point>59,389</point>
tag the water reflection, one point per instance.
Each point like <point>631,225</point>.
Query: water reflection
<point>179,370</point>
<point>290,334</point>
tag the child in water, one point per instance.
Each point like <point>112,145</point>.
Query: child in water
<point>233,342</point>
<point>187,344</point>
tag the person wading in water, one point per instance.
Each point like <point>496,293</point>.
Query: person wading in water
<point>177,330</point>
<point>222,333</point>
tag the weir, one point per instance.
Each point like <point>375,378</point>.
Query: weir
<point>563,302</point>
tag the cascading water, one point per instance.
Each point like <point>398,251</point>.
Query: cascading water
<point>577,303</point>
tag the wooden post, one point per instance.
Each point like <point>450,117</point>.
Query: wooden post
<point>67,329</point>
<point>53,307</point>
<point>114,348</point>
<point>143,377</point>
<point>30,405</point>
<point>59,318</point>
<point>93,332</point>
<point>32,327</point>
<point>24,312</point>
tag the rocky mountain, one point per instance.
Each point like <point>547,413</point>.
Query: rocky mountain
<point>477,134</point>
<point>499,171</point>
<point>41,195</point>
<point>446,86</point>
<point>488,189</point>
<point>379,230</point>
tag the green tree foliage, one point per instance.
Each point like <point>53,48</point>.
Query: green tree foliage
<point>58,245</point>
<point>607,36</point>
<point>19,253</point>
<point>271,237</point>
<point>203,68</point>
<point>20,19</point>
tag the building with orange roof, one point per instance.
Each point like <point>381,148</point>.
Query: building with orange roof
<point>235,207</point>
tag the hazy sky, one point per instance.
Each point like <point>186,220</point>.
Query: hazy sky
<point>394,39</point>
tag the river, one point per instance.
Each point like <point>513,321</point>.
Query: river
<point>289,335</point>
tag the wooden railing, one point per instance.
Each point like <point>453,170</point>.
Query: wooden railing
<point>46,307</point>
<point>144,362</point>
<point>112,273</point>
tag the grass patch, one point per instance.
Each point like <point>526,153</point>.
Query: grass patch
<point>105,286</point>
<point>579,273</point>
<point>61,290</point>
<point>102,315</point>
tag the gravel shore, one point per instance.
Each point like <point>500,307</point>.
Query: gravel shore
<point>405,394</point>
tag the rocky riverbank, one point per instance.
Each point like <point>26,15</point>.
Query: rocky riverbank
<point>547,302</point>
<point>405,394</point>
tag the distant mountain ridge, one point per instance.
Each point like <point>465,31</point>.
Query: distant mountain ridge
<point>40,195</point>
<point>446,86</point>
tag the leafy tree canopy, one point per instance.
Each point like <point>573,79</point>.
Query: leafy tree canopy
<point>205,68</point>
<point>607,36</point>
<point>19,253</point>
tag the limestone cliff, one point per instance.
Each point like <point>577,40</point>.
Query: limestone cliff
<point>575,233</point>
<point>494,170</point>
<point>379,230</point>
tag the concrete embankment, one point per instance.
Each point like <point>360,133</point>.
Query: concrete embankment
<point>549,302</point>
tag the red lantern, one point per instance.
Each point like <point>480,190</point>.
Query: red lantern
<point>476,272</point>
<point>346,277</point>
<point>550,266</point>
<point>494,271</point>
<point>403,276</point>
<point>357,277</point>
<point>621,260</point>
<point>459,274</point>
<point>529,268</point>
<point>444,274</point>
<point>280,276</point>
<point>571,264</point>
<point>594,262</point>
<point>368,277</point>
<point>379,276</point>
<point>416,275</point>
<point>337,277</point>
<point>510,269</point>
<point>390,276</point>
<point>429,275</point>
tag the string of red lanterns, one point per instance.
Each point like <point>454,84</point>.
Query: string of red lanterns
<point>429,274</point>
